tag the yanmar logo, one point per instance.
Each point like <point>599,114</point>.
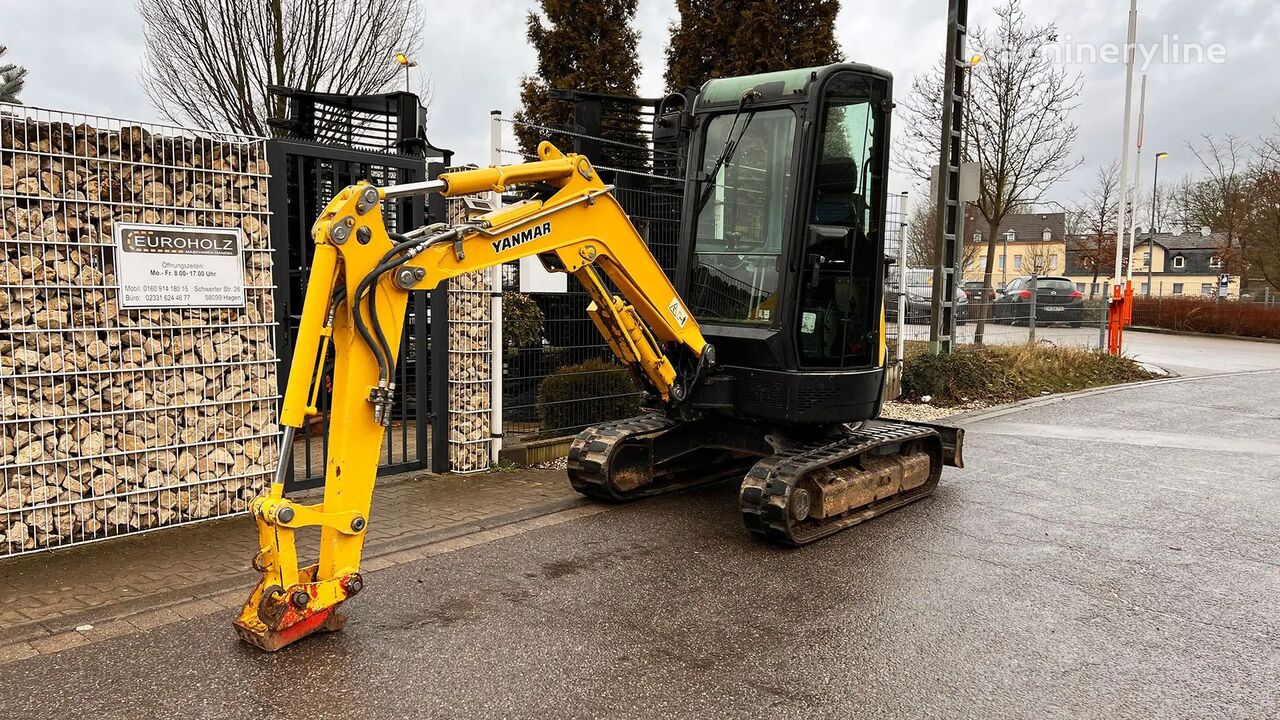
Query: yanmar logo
<point>521,237</point>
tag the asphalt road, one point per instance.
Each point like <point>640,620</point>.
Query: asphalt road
<point>1104,556</point>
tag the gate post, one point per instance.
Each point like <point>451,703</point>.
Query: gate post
<point>439,346</point>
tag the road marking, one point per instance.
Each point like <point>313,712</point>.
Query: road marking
<point>1127,436</point>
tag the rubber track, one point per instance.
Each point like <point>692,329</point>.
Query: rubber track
<point>766,491</point>
<point>592,449</point>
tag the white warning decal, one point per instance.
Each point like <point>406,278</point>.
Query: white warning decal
<point>677,311</point>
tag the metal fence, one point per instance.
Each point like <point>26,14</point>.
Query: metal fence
<point>648,180</point>
<point>1043,313</point>
<point>335,141</point>
<point>121,410</point>
<point>307,176</point>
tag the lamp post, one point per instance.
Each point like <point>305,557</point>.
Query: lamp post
<point>1151,237</point>
<point>404,61</point>
<point>974,61</point>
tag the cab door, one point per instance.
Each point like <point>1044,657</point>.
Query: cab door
<point>838,323</point>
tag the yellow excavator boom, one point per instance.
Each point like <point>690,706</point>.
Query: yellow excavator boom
<point>355,306</point>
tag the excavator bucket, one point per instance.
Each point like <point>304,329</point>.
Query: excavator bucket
<point>273,618</point>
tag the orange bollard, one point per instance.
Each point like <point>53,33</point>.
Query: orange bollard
<point>1115,321</point>
<point>1128,303</point>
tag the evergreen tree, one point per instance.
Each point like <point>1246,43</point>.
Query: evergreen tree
<point>585,45</point>
<point>729,38</point>
<point>12,78</point>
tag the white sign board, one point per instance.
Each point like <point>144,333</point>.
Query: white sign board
<point>535,278</point>
<point>167,266</point>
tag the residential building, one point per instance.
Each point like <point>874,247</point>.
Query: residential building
<point>1025,244</point>
<point>1183,263</point>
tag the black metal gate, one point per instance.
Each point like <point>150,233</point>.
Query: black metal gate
<point>335,141</point>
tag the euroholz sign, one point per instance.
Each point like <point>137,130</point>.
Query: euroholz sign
<point>170,266</point>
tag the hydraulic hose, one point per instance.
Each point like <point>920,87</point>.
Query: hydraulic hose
<point>380,348</point>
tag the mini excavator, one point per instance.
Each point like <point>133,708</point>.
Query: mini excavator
<point>764,361</point>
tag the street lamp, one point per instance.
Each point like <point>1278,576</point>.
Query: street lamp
<point>403,60</point>
<point>1151,236</point>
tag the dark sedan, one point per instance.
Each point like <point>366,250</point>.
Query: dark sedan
<point>920,299</point>
<point>1056,301</point>
<point>974,289</point>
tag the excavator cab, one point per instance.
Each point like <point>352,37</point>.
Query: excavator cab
<point>783,240</point>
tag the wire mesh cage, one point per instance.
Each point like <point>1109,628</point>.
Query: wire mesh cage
<point>123,410</point>
<point>472,334</point>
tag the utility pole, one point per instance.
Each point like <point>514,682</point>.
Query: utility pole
<point>954,89</point>
<point>1116,309</point>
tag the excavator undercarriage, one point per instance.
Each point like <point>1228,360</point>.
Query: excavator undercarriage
<point>797,484</point>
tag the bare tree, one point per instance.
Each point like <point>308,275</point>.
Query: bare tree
<point>1019,128</point>
<point>1166,208</point>
<point>1094,242</point>
<point>1262,221</point>
<point>12,78</point>
<point>921,240</point>
<point>210,62</point>
<point>1220,199</point>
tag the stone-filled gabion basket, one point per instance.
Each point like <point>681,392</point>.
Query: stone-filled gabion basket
<point>470,379</point>
<point>113,420</point>
<point>470,363</point>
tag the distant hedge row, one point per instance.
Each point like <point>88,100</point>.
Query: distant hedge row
<point>1205,315</point>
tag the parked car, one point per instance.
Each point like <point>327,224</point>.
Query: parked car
<point>919,294</point>
<point>1056,301</point>
<point>974,289</point>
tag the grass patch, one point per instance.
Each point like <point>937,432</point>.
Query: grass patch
<point>995,374</point>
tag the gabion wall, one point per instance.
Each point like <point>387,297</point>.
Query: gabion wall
<point>470,363</point>
<point>116,421</point>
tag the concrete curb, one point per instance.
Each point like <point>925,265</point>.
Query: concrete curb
<point>1001,410</point>
<point>1189,333</point>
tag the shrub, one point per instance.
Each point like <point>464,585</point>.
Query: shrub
<point>1000,374</point>
<point>1205,315</point>
<point>590,392</point>
<point>522,321</point>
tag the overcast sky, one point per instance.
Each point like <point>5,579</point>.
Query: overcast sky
<point>85,55</point>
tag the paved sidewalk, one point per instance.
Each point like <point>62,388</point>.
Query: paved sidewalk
<point>153,578</point>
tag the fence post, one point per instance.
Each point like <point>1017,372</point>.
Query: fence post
<point>439,346</point>
<point>495,147</point>
<point>496,360</point>
<point>902,318</point>
<point>1102,327</point>
<point>1035,292</point>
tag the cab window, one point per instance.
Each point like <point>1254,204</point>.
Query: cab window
<point>740,228</point>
